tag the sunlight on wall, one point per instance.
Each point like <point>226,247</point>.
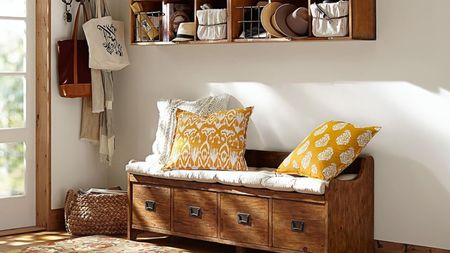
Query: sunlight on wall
<point>415,121</point>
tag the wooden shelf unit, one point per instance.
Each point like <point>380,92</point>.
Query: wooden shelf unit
<point>362,21</point>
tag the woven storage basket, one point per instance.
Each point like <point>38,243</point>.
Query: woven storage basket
<point>94,213</point>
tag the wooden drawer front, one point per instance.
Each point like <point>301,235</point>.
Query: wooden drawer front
<point>299,226</point>
<point>151,206</point>
<point>244,219</point>
<point>195,212</point>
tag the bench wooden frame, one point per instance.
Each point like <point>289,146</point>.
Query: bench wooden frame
<point>339,221</point>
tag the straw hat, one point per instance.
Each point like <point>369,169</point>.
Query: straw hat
<point>186,32</point>
<point>266,18</point>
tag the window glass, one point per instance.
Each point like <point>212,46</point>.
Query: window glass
<point>13,8</point>
<point>12,169</point>
<point>12,45</point>
<point>12,101</point>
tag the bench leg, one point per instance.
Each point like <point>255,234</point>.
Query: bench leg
<point>132,234</point>
<point>240,249</point>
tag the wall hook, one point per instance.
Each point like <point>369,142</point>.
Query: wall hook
<point>67,13</point>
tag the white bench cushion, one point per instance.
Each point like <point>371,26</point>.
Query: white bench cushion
<point>254,178</point>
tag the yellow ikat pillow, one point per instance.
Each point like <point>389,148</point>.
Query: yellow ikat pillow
<point>214,142</point>
<point>328,150</point>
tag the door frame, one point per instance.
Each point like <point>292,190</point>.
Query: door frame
<point>43,113</point>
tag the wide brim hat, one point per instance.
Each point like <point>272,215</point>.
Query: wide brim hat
<point>185,32</point>
<point>279,19</point>
<point>266,18</point>
<point>297,21</point>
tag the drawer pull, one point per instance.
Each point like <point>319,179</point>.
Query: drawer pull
<point>150,205</point>
<point>297,226</point>
<point>195,211</point>
<point>243,218</point>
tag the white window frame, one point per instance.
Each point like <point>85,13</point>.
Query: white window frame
<point>26,134</point>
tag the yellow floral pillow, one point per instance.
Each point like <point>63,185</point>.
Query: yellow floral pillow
<point>328,150</point>
<point>214,142</point>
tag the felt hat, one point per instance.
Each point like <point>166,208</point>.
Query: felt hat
<point>290,20</point>
<point>266,18</point>
<point>186,32</point>
<point>297,21</point>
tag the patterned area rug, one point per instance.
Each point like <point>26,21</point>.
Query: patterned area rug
<point>98,243</point>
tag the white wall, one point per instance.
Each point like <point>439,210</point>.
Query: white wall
<point>401,82</point>
<point>74,162</point>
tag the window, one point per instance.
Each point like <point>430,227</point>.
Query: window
<point>17,114</point>
<point>15,84</point>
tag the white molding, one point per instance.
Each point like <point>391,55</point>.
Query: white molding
<point>13,73</point>
<point>12,18</point>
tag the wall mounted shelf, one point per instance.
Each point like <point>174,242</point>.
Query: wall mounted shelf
<point>362,21</point>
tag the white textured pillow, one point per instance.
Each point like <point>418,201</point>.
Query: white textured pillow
<point>167,119</point>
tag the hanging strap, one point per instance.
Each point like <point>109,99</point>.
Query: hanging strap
<point>75,41</point>
<point>98,8</point>
<point>102,8</point>
<point>325,15</point>
<point>107,10</point>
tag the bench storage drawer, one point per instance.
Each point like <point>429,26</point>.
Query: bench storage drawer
<point>299,226</point>
<point>244,219</point>
<point>151,206</point>
<point>195,212</point>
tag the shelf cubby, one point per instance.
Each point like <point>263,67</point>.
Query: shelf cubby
<point>148,6</point>
<point>217,4</point>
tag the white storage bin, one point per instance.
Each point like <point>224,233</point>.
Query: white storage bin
<point>330,19</point>
<point>212,24</point>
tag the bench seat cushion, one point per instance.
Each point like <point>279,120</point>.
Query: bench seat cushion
<point>254,178</point>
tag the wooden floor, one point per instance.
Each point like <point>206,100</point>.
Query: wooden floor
<point>15,242</point>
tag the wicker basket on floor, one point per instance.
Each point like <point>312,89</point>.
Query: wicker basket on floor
<point>96,213</point>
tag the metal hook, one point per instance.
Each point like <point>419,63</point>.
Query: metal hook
<point>68,3</point>
<point>67,14</point>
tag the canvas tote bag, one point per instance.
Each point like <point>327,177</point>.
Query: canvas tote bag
<point>73,64</point>
<point>106,41</point>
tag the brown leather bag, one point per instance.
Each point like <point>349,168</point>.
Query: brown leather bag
<point>73,64</point>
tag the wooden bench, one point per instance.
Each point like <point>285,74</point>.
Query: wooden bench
<point>341,220</point>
